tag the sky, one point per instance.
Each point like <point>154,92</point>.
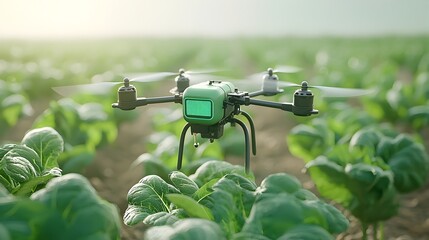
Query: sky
<point>210,18</point>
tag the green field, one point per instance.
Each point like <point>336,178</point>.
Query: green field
<point>101,143</point>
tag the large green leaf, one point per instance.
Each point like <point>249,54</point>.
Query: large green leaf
<point>275,214</point>
<point>183,183</point>
<point>28,187</point>
<point>308,142</point>
<point>10,151</point>
<point>19,164</point>
<point>306,232</point>
<point>24,167</point>
<point>147,197</point>
<point>84,213</point>
<point>187,229</point>
<point>282,204</point>
<point>367,191</point>
<point>366,138</point>
<point>278,183</point>
<point>47,143</point>
<point>25,220</point>
<point>408,161</point>
<point>68,208</point>
<point>161,218</point>
<point>330,179</point>
<point>216,169</point>
<point>191,207</point>
<point>230,203</point>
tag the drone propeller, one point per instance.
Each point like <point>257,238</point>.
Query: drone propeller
<point>328,91</point>
<point>103,87</point>
<point>201,71</point>
<point>286,69</point>
<point>271,71</point>
<point>156,76</point>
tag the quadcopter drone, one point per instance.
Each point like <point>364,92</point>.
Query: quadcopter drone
<point>209,106</point>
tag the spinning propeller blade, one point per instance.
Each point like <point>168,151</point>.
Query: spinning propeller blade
<point>105,87</point>
<point>342,92</point>
<point>256,80</point>
<point>150,77</point>
<point>286,69</point>
<point>96,88</point>
<point>156,76</point>
<point>202,71</point>
<point>279,69</point>
<point>330,91</point>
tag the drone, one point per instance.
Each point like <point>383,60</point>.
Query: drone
<point>208,106</point>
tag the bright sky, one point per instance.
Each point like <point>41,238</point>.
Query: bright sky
<point>214,18</point>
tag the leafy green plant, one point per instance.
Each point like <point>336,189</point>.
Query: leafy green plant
<point>367,173</point>
<point>67,208</point>
<point>224,194</point>
<point>320,135</point>
<point>401,102</point>
<point>33,162</point>
<point>83,127</point>
<point>406,158</point>
<point>186,229</point>
<point>13,105</point>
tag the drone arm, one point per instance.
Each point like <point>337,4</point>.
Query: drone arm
<point>283,106</point>
<point>138,102</point>
<point>264,93</point>
<point>145,101</point>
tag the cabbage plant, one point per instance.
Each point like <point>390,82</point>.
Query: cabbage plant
<point>221,201</point>
<point>34,161</point>
<point>67,208</point>
<point>366,172</point>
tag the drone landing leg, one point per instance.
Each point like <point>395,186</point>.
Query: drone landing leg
<point>252,131</point>
<point>181,144</point>
<point>246,141</point>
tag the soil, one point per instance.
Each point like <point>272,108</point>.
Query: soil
<point>112,176</point>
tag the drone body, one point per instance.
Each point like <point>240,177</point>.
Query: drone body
<point>208,106</point>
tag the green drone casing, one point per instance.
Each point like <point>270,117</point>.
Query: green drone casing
<point>204,103</point>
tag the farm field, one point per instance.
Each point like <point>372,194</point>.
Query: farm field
<point>383,137</point>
